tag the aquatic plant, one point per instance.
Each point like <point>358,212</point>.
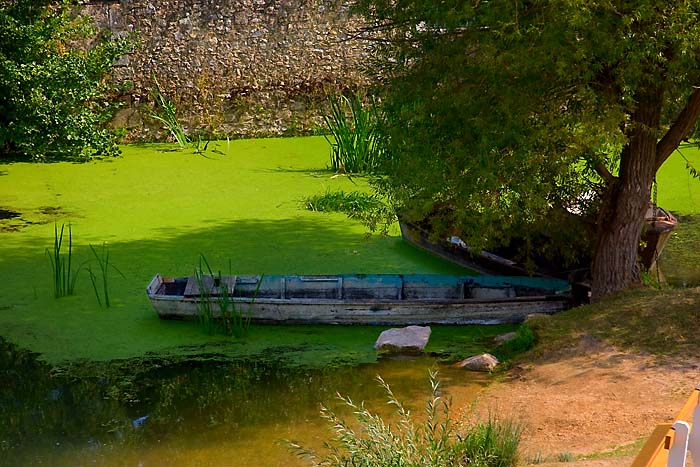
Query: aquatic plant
<point>103,263</point>
<point>214,293</point>
<point>433,442</point>
<point>166,113</point>
<point>368,208</point>
<point>205,314</point>
<point>63,276</point>
<point>355,144</point>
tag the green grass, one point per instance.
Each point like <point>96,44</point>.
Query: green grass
<point>659,323</point>
<point>156,210</point>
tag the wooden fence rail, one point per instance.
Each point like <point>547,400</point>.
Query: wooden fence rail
<point>669,444</point>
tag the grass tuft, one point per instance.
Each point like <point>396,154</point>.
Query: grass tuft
<point>63,276</point>
<point>103,263</point>
<point>433,442</point>
<point>217,310</point>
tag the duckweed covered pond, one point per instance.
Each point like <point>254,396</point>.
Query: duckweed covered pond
<point>156,210</point>
<point>118,386</point>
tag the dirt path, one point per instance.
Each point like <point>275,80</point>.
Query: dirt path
<point>589,400</point>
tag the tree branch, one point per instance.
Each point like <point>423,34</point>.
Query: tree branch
<point>679,129</point>
<point>604,173</point>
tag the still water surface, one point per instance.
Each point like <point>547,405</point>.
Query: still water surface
<point>200,414</point>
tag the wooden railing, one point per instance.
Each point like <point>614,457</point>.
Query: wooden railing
<point>669,444</point>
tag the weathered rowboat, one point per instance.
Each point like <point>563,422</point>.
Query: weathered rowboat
<point>390,299</point>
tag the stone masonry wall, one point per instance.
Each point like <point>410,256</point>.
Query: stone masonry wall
<point>234,67</point>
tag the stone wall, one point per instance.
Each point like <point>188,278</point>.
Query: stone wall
<point>234,67</point>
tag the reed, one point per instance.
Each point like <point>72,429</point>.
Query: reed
<point>214,295</point>
<point>103,263</point>
<point>166,113</point>
<point>205,313</point>
<point>354,136</point>
<point>63,276</point>
<point>433,442</point>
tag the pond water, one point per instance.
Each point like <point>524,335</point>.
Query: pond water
<point>196,413</point>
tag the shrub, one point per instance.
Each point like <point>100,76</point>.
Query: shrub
<point>53,91</point>
<point>433,442</point>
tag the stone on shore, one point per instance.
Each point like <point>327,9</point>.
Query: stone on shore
<point>483,362</point>
<point>408,340</point>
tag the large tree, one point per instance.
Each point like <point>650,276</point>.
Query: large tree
<point>501,115</point>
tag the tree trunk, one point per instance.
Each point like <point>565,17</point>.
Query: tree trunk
<point>615,263</point>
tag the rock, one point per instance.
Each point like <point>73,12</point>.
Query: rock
<point>483,362</point>
<point>411,339</point>
<point>503,338</point>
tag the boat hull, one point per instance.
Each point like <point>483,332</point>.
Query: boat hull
<point>374,312</point>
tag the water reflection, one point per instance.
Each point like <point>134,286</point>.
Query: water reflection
<point>196,413</point>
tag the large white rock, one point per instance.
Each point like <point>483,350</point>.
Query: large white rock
<point>411,339</point>
<point>483,362</point>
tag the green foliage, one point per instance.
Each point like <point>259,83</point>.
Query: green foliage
<point>368,208</point>
<point>434,442</point>
<point>62,274</point>
<point>498,116</point>
<point>53,83</point>
<point>354,140</point>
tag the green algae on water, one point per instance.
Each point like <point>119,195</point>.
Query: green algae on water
<point>156,210</point>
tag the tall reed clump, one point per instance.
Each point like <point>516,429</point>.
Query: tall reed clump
<point>217,311</point>
<point>62,274</point>
<point>431,443</point>
<point>354,136</point>
<point>166,113</point>
<point>103,263</point>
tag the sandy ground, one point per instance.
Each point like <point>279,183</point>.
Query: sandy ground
<point>589,400</point>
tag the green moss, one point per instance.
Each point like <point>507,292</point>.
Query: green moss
<point>157,209</point>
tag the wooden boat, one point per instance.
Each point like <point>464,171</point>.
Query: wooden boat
<point>456,251</point>
<point>389,299</point>
<point>658,226</point>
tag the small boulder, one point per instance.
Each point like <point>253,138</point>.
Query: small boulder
<point>483,362</point>
<point>411,340</point>
<point>503,338</point>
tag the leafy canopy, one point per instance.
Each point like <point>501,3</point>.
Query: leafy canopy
<point>499,115</point>
<point>53,86</point>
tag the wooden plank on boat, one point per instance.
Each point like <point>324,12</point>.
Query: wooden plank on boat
<point>230,282</point>
<point>192,287</point>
